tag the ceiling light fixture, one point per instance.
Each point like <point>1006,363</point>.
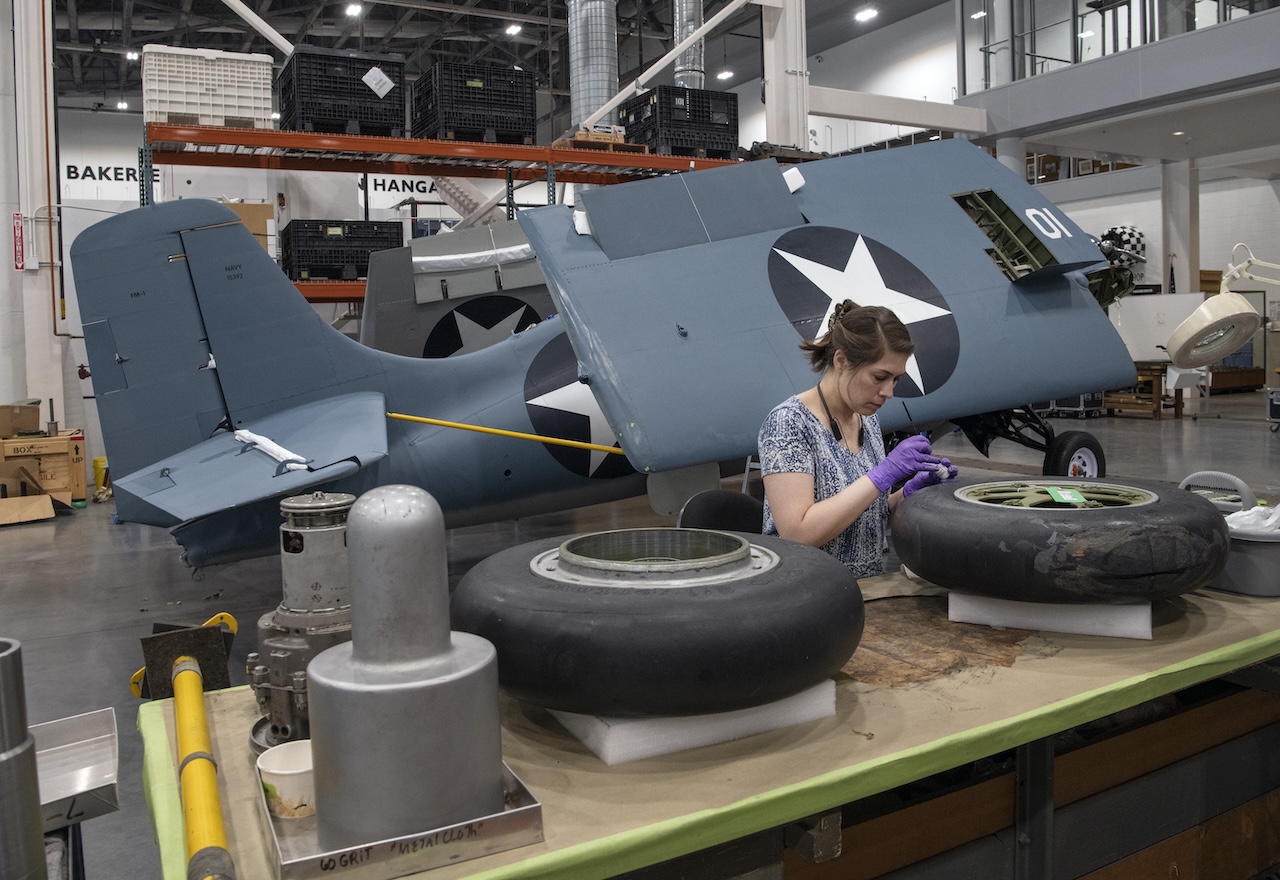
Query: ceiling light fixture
<point>1178,134</point>
<point>865,15</point>
<point>122,105</point>
<point>981,13</point>
<point>725,74</point>
<point>512,30</point>
<point>1085,34</point>
<point>132,56</point>
<point>354,10</point>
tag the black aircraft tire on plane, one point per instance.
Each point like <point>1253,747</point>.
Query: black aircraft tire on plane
<point>663,650</point>
<point>1145,542</point>
<point>1075,454</point>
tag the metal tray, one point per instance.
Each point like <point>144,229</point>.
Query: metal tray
<point>295,849</point>
<point>77,760</point>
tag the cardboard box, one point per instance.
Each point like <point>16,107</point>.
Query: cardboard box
<point>28,509</point>
<point>59,464</point>
<point>22,496</point>
<point>19,418</point>
<point>255,217</point>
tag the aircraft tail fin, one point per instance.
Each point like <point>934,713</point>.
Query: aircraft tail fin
<point>192,329</point>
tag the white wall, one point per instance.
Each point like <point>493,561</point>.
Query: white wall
<point>915,58</point>
<point>1232,210</point>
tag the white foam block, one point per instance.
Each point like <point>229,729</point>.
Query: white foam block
<point>619,740</point>
<point>1131,621</point>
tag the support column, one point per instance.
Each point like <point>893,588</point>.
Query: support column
<point>786,73</point>
<point>1011,152</point>
<point>1180,226</point>
<point>31,365</point>
<point>13,366</point>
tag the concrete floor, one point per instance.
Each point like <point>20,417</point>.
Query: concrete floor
<point>79,592</point>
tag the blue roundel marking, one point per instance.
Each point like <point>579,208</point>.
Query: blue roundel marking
<point>560,406</point>
<point>814,267</point>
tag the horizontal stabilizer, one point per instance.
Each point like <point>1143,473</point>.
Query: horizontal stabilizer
<point>282,454</point>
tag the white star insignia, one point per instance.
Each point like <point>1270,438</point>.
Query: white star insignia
<point>476,336</point>
<point>860,281</point>
<point>577,398</point>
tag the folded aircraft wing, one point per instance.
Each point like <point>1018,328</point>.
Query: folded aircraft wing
<point>686,297</point>
<point>284,453</point>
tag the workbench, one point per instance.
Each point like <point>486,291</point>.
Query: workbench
<point>1150,403</point>
<point>909,705</point>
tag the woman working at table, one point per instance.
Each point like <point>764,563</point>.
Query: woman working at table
<point>827,480</point>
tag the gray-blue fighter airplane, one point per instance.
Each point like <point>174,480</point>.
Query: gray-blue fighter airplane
<point>681,304</point>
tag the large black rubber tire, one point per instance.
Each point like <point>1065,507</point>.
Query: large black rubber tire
<point>663,650</point>
<point>1075,454</point>
<point>1177,543</point>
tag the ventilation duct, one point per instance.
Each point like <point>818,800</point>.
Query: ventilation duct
<point>689,71</point>
<point>593,56</point>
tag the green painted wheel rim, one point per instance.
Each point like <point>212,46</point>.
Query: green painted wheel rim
<point>1038,494</point>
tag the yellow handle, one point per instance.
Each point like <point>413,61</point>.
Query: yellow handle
<point>206,834</point>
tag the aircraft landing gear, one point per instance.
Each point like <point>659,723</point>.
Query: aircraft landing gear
<point>1073,453</point>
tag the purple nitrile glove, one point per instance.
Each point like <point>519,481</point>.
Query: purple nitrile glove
<point>931,477</point>
<point>903,461</point>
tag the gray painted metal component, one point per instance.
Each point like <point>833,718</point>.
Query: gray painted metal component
<point>881,228</point>
<point>315,614</point>
<point>687,210</point>
<point>333,439</point>
<point>21,827</point>
<point>405,731</point>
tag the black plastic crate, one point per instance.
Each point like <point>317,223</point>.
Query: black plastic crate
<point>708,145</point>
<point>473,102</point>
<point>324,90</point>
<point>683,121</point>
<point>335,250</point>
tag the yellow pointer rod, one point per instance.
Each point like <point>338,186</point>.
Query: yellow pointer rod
<point>537,438</point>
<point>207,854</point>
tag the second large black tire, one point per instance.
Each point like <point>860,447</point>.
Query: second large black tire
<point>663,650</point>
<point>1159,543</point>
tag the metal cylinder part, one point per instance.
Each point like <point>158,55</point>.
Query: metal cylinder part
<point>21,822</point>
<point>313,551</point>
<point>405,731</point>
<point>314,614</point>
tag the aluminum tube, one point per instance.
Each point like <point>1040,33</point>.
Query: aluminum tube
<point>21,822</point>
<point>593,56</point>
<point>260,25</point>
<point>396,558</point>
<point>690,72</point>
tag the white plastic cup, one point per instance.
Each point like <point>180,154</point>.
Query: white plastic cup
<point>285,771</point>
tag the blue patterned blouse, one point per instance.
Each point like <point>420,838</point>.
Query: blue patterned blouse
<point>792,440</point>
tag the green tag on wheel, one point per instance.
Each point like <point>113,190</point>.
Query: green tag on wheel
<point>1064,496</point>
